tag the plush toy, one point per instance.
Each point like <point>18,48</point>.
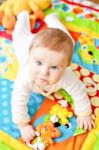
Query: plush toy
<point>11,8</point>
<point>45,134</point>
<point>62,113</point>
<point>48,132</point>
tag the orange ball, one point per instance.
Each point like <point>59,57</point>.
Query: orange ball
<point>9,21</point>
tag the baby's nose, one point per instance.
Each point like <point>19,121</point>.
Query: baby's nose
<point>45,70</point>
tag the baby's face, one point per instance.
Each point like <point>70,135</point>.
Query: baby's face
<point>46,67</point>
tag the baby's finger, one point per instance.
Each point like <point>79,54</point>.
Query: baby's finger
<point>93,117</point>
<point>81,125</point>
<point>93,123</point>
<point>30,136</point>
<point>86,125</point>
<point>32,132</point>
<point>25,138</point>
<point>89,125</point>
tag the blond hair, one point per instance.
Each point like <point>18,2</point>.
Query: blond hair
<point>54,39</point>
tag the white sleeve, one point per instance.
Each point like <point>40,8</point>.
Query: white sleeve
<point>53,21</point>
<point>22,37</point>
<point>78,92</point>
<point>20,98</point>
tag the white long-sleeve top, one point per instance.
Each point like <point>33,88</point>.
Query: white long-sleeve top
<point>22,38</point>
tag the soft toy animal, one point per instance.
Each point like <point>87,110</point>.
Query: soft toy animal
<point>48,132</point>
<point>62,113</point>
<point>11,8</point>
<point>45,134</point>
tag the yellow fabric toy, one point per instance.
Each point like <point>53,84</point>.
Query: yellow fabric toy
<point>61,112</point>
<point>14,7</point>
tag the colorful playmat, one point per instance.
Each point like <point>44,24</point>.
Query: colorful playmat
<point>83,24</point>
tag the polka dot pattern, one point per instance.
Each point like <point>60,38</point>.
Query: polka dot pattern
<point>8,61</point>
<point>36,100</point>
<point>34,103</point>
<point>82,36</point>
<point>91,81</point>
<point>5,107</point>
<point>95,101</point>
<point>6,123</point>
<point>8,70</point>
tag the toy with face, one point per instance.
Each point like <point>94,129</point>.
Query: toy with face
<point>89,54</point>
<point>66,130</point>
<point>48,132</point>
<point>63,120</point>
<point>88,49</point>
<point>45,132</point>
<point>62,113</point>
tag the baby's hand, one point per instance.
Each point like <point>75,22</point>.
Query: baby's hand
<point>27,133</point>
<point>86,122</point>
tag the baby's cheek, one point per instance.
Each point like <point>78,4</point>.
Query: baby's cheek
<point>55,78</point>
<point>33,74</point>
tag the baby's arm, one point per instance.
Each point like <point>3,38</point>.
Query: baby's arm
<point>22,26</point>
<point>52,21</point>
<point>20,97</point>
<point>82,104</point>
<point>22,37</point>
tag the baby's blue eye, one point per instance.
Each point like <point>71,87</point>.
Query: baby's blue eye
<point>54,67</point>
<point>39,63</point>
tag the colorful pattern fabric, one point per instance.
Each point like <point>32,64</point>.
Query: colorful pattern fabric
<point>83,24</point>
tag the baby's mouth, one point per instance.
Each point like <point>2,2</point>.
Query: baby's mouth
<point>41,80</point>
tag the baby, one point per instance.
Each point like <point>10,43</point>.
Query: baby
<point>44,60</point>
